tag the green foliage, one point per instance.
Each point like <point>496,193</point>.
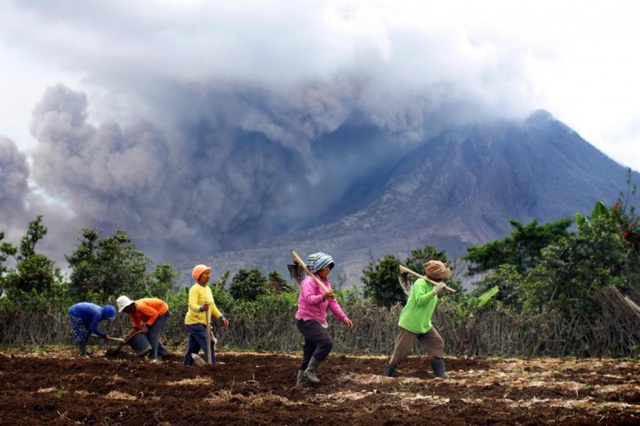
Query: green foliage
<point>34,273</point>
<point>264,324</point>
<point>35,232</point>
<point>178,300</point>
<point>472,304</point>
<point>421,256</point>
<point>351,295</point>
<point>224,300</point>
<point>381,283</point>
<point>573,269</point>
<point>339,281</point>
<point>162,281</point>
<point>509,282</point>
<point>6,249</point>
<point>248,285</point>
<point>621,218</point>
<point>521,249</point>
<point>107,267</point>
<point>277,284</point>
<point>565,275</point>
<point>544,269</point>
<point>222,282</point>
<point>599,212</point>
<point>627,225</point>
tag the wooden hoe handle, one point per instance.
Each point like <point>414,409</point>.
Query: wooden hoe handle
<point>208,337</point>
<point>406,270</point>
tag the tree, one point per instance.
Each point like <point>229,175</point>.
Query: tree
<point>224,300</point>
<point>277,284</point>
<point>107,267</point>
<point>604,252</point>
<point>163,279</point>
<point>34,272</point>
<point>35,232</point>
<point>419,257</point>
<point>571,270</point>
<point>381,282</point>
<point>509,284</point>
<point>248,285</point>
<point>6,250</point>
<point>521,249</point>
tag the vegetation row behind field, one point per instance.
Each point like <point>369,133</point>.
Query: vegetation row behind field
<point>565,288</point>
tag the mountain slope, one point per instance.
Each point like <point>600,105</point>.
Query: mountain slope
<point>454,191</point>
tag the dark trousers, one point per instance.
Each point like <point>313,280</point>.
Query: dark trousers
<point>317,342</point>
<point>153,335</point>
<point>197,341</point>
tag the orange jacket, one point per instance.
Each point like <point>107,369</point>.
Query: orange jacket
<point>147,311</point>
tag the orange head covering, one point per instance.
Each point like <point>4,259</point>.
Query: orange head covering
<point>198,270</point>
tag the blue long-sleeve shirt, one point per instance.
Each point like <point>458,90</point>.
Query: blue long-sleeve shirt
<point>91,314</point>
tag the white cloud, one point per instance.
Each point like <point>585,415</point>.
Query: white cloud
<point>575,59</point>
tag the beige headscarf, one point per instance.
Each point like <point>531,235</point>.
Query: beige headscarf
<point>437,270</point>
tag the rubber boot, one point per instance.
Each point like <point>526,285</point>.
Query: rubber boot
<point>310,372</point>
<point>82,348</point>
<point>438,368</point>
<point>389,371</point>
<point>302,379</point>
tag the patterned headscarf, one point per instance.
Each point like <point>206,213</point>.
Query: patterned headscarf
<point>437,270</point>
<point>318,261</point>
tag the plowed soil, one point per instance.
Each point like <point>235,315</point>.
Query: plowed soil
<point>55,387</point>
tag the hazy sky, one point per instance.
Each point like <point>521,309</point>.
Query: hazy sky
<point>130,113</point>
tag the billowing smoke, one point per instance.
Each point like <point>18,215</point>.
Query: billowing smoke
<point>213,128</point>
<point>14,175</point>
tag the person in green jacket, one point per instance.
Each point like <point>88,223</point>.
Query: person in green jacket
<point>415,321</point>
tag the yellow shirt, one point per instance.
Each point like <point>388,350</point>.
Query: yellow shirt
<point>198,295</point>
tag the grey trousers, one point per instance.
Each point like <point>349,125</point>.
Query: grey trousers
<point>153,335</point>
<point>431,342</point>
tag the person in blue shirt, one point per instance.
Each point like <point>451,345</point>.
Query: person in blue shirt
<point>84,318</point>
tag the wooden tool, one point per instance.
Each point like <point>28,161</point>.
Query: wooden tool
<point>405,270</point>
<point>115,339</point>
<point>209,354</point>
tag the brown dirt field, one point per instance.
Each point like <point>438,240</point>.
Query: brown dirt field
<point>54,387</point>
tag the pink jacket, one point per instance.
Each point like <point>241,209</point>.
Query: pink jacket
<point>312,307</point>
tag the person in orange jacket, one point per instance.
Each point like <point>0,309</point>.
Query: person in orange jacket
<point>150,316</point>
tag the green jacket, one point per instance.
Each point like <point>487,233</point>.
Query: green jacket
<point>416,315</point>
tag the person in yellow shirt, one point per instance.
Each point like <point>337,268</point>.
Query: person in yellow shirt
<point>201,304</point>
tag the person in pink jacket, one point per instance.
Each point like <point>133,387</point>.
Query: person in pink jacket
<point>311,317</point>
